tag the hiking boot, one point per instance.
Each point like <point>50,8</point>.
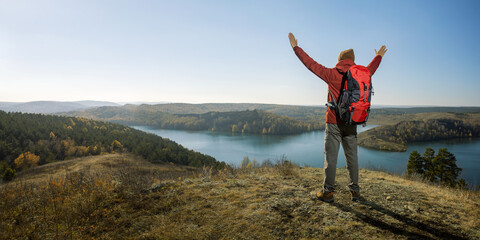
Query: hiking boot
<point>355,195</point>
<point>325,196</point>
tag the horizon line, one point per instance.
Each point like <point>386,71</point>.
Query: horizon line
<point>167,102</point>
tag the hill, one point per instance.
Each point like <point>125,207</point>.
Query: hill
<point>287,110</point>
<point>47,138</point>
<point>255,121</point>
<point>421,127</point>
<point>51,106</point>
<point>306,114</point>
<point>391,116</point>
<point>122,196</point>
<point>186,108</point>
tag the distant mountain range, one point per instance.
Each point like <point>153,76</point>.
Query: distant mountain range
<point>48,107</point>
<point>309,113</point>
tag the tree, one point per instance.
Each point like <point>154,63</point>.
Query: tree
<point>26,160</point>
<point>3,167</point>
<point>462,183</point>
<point>52,136</point>
<point>9,174</point>
<point>445,167</point>
<point>429,169</point>
<point>415,164</point>
<point>117,146</point>
<point>264,131</point>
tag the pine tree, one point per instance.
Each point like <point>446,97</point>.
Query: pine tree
<point>415,164</point>
<point>445,167</point>
<point>428,157</point>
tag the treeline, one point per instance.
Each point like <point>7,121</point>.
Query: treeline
<point>185,108</point>
<point>254,122</point>
<point>23,137</point>
<point>395,137</point>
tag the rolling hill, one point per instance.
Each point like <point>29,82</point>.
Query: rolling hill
<point>238,118</point>
<point>27,140</point>
<point>421,127</point>
<point>247,121</point>
<point>308,114</point>
<point>51,106</point>
<point>303,113</point>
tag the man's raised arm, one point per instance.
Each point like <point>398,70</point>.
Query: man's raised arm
<point>372,67</point>
<point>319,70</point>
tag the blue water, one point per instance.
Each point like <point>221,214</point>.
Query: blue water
<point>306,149</point>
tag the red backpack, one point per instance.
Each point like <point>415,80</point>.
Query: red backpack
<point>353,105</point>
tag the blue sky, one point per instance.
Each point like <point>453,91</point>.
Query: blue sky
<point>235,51</point>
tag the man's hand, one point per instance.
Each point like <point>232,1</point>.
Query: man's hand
<point>381,51</point>
<point>293,41</point>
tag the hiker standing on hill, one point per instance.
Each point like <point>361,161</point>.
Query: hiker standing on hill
<point>336,131</point>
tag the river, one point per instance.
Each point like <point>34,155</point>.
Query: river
<point>306,149</point>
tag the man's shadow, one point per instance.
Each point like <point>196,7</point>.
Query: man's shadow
<point>396,229</point>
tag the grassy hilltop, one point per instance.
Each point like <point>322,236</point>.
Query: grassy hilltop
<point>122,196</point>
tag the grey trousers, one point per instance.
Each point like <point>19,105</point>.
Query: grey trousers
<point>347,136</point>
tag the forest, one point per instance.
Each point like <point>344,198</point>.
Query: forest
<point>184,116</point>
<point>255,122</point>
<point>248,121</point>
<point>27,140</point>
<point>395,137</point>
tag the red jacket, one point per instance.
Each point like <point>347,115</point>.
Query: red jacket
<point>332,76</point>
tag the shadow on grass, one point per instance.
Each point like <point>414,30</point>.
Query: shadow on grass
<point>370,218</point>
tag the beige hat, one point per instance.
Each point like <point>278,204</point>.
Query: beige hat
<point>346,54</point>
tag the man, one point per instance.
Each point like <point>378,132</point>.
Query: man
<point>336,131</point>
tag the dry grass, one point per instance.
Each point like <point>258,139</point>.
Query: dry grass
<point>127,198</point>
<point>103,164</point>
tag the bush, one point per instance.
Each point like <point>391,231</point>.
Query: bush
<point>245,162</point>
<point>286,167</point>
<point>9,174</point>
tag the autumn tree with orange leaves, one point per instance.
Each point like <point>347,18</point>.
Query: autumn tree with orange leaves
<point>26,160</point>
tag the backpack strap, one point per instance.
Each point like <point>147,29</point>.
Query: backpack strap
<point>335,105</point>
<point>344,79</point>
<point>332,104</point>
<point>333,98</point>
